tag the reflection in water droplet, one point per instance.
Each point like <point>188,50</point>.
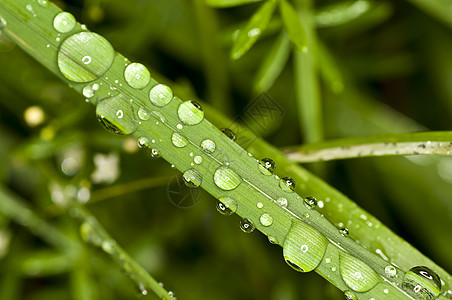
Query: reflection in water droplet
<point>390,271</point>
<point>118,121</point>
<point>349,295</point>
<point>310,202</point>
<point>74,53</point>
<point>357,274</point>
<point>179,140</point>
<point>272,240</point>
<point>192,178</point>
<point>266,220</point>
<point>226,179</point>
<point>143,142</point>
<point>208,146</point>
<point>422,283</point>
<point>287,184</point>
<point>229,133</point>
<point>155,153</point>
<point>246,225</point>
<point>344,231</point>
<point>143,114</point>
<point>160,95</point>
<point>137,75</point>
<point>282,201</point>
<point>267,166</point>
<point>190,113</point>
<point>227,206</point>
<point>259,205</point>
<point>64,22</point>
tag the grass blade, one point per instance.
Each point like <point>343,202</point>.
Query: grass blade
<point>229,3</point>
<point>293,26</point>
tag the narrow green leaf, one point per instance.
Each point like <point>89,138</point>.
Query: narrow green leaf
<point>229,3</point>
<point>293,26</point>
<point>252,31</point>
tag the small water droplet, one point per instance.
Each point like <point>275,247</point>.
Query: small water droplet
<point>282,201</point>
<point>179,126</point>
<point>229,133</point>
<point>266,220</point>
<point>108,246</point>
<point>85,56</point>
<point>390,271</point>
<point>43,3</point>
<point>197,159</point>
<point>160,95</point>
<point>88,91</point>
<point>310,202</point>
<point>29,7</point>
<point>190,113</point>
<point>137,75</point>
<point>179,140</point>
<point>349,295</point>
<point>143,142</point>
<point>226,179</point>
<point>227,206</point>
<point>254,32</point>
<point>141,287</point>
<point>64,22</point>
<point>259,205</point>
<point>246,225</point>
<point>422,283</point>
<point>272,240</point>
<point>267,166</point>
<point>3,23</point>
<point>192,178</point>
<point>208,146</point>
<point>143,114</point>
<point>287,184</point>
<point>343,231</point>
<point>172,294</point>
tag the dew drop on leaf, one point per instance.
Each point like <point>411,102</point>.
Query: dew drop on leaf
<point>190,113</point>
<point>143,142</point>
<point>267,166</point>
<point>160,95</point>
<point>310,202</point>
<point>282,201</point>
<point>266,220</point>
<point>143,114</point>
<point>287,184</point>
<point>192,178</point>
<point>208,146</point>
<point>43,3</point>
<point>226,206</point>
<point>422,283</point>
<point>64,22</point>
<point>349,295</point>
<point>226,179</point>
<point>390,271</point>
<point>179,140</point>
<point>246,225</point>
<point>137,75</point>
<point>344,231</point>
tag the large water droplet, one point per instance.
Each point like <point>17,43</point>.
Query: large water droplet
<point>357,274</point>
<point>160,95</point>
<point>227,206</point>
<point>137,75</point>
<point>226,179</point>
<point>192,178</point>
<point>143,142</point>
<point>304,247</point>
<point>310,202</point>
<point>246,225</point>
<point>85,56</point>
<point>229,133</point>
<point>64,22</point>
<point>179,140</point>
<point>143,114</point>
<point>287,184</point>
<point>266,219</point>
<point>267,166</point>
<point>208,146</point>
<point>422,283</point>
<point>190,113</point>
<point>115,114</point>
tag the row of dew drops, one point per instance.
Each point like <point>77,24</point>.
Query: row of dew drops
<point>91,63</point>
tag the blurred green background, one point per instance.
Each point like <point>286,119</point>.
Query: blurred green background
<point>383,66</point>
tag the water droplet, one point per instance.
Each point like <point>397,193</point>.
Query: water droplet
<point>226,179</point>
<point>88,91</point>
<point>349,295</point>
<point>89,235</point>
<point>190,113</point>
<point>74,53</point>
<point>160,95</point>
<point>343,231</point>
<point>390,271</point>
<point>172,294</point>
<point>259,205</point>
<point>179,140</point>
<point>287,184</point>
<point>43,3</point>
<point>137,75</point>
<point>2,23</point>
<point>208,146</point>
<point>304,247</point>
<point>143,291</point>
<point>357,274</point>
<point>64,22</point>
<point>246,225</point>
<point>267,166</point>
<point>113,120</point>
<point>197,159</point>
<point>254,32</point>
<point>272,240</point>
<point>108,246</point>
<point>266,220</point>
<point>227,206</point>
<point>310,202</point>
<point>143,142</point>
<point>143,114</point>
<point>282,201</point>
<point>229,133</point>
<point>422,283</point>
<point>29,7</point>
<point>192,178</point>
<point>155,153</point>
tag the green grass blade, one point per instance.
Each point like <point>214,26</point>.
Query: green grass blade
<point>420,143</point>
<point>293,26</point>
<point>439,9</point>
<point>229,3</point>
<point>253,30</point>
